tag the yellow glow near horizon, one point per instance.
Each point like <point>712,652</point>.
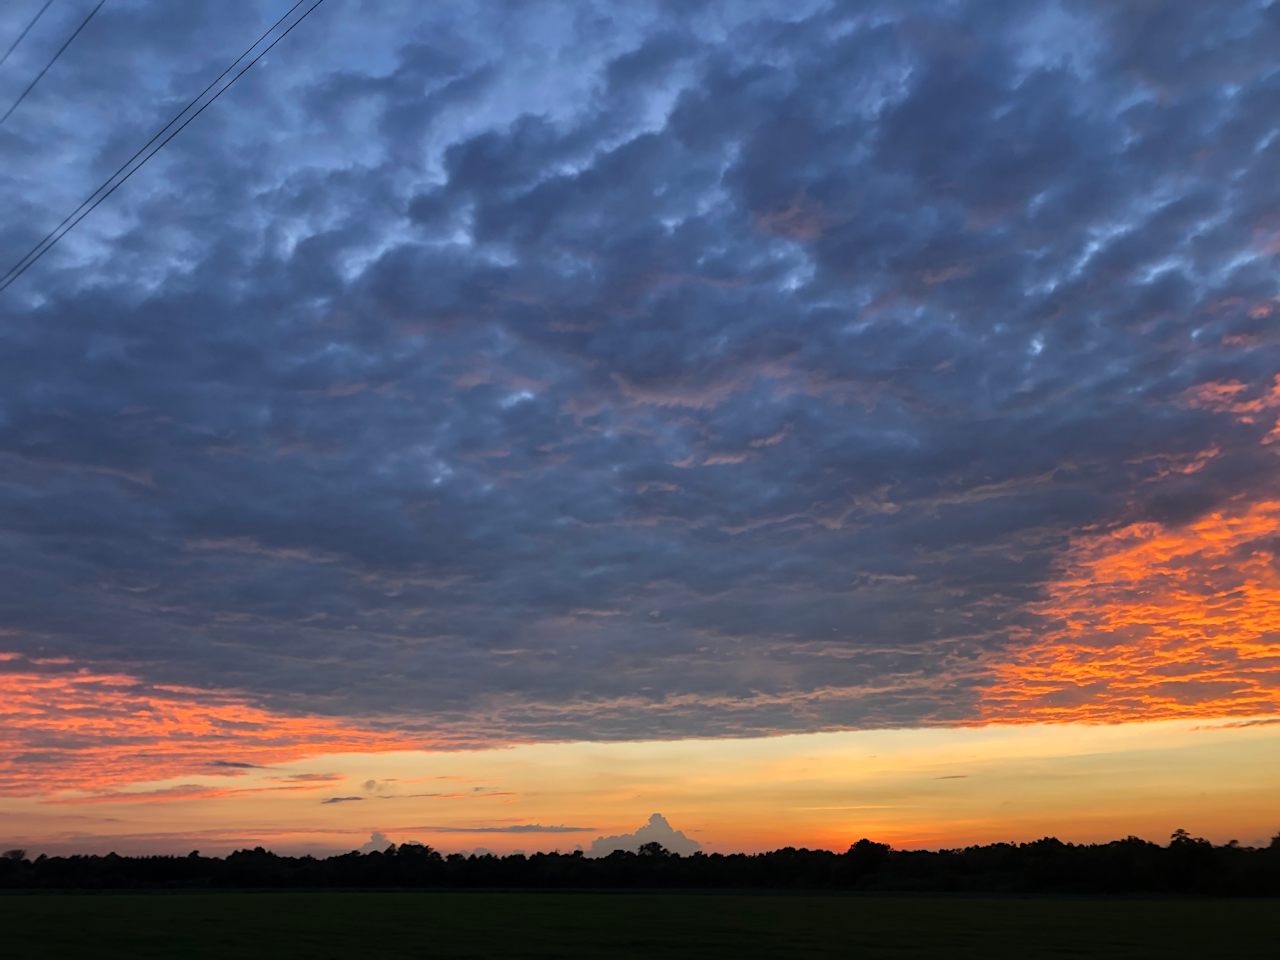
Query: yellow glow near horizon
<point>925,787</point>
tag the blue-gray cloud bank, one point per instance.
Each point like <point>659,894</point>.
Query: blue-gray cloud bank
<point>646,370</point>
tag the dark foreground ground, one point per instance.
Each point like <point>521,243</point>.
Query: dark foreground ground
<point>286,925</point>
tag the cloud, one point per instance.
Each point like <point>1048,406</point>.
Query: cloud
<point>735,369</point>
<point>657,830</point>
<point>377,842</point>
<point>195,791</point>
<point>341,799</point>
<point>1237,724</point>
<point>91,731</point>
<point>305,778</point>
<point>477,793</point>
<point>1157,621</point>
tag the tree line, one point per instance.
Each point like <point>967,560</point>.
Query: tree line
<point>1186,865</point>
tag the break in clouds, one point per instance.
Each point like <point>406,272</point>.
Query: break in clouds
<point>623,371</point>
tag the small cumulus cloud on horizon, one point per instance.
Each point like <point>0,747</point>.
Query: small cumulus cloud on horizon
<point>656,830</point>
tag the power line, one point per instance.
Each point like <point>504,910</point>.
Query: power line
<point>25,30</point>
<point>32,85</point>
<point>89,204</point>
<point>50,236</point>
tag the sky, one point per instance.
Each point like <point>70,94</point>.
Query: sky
<point>516,425</point>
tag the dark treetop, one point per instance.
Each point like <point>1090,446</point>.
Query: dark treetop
<point>1186,865</point>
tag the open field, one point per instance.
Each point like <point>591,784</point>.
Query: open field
<point>322,925</point>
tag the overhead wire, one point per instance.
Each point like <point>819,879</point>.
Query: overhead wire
<point>141,150</point>
<point>25,30</point>
<point>62,49</point>
<point>91,203</point>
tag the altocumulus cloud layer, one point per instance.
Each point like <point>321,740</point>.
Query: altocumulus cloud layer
<point>545,370</point>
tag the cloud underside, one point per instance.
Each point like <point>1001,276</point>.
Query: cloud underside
<point>732,369</point>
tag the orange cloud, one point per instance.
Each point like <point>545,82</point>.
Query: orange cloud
<point>81,730</point>
<point>1155,622</point>
<point>1231,396</point>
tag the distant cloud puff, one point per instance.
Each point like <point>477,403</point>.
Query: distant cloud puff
<point>657,829</point>
<point>377,841</point>
<point>341,799</point>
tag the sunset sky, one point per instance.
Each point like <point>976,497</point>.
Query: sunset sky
<point>490,424</point>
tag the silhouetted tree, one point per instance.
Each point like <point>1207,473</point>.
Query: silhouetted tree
<point>1187,864</point>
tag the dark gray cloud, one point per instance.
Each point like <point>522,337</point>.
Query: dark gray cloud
<point>547,371</point>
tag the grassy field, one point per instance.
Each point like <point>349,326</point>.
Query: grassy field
<point>282,926</point>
